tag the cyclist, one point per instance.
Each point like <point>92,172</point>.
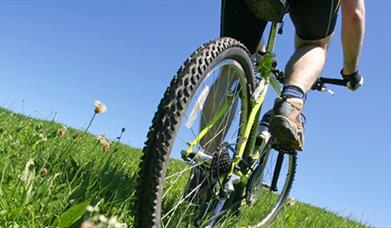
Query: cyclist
<point>314,22</point>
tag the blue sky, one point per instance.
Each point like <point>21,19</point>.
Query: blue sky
<point>62,55</point>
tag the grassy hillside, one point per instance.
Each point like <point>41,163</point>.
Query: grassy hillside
<point>53,176</point>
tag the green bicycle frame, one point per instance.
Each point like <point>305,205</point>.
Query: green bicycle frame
<point>265,69</point>
<point>258,97</point>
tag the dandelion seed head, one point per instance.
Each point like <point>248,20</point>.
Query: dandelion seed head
<point>61,131</point>
<point>104,142</point>
<point>100,107</point>
<point>106,146</point>
<point>44,171</point>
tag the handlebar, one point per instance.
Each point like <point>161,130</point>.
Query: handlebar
<point>320,84</point>
<point>350,84</point>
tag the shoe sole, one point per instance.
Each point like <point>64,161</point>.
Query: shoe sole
<point>285,134</point>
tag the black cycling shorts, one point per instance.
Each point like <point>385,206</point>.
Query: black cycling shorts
<point>313,20</point>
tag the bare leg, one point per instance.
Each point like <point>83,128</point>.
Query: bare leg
<point>302,70</point>
<point>307,62</point>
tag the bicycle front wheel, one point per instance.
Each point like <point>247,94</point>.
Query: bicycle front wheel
<point>205,109</point>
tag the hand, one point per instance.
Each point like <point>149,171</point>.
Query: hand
<point>353,81</point>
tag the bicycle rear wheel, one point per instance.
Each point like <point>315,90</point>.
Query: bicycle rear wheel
<point>172,192</point>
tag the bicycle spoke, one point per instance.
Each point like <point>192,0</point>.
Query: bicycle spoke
<point>183,171</point>
<point>228,113</point>
<point>181,200</point>
<point>172,184</point>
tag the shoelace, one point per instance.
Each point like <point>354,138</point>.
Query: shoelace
<point>303,118</point>
<point>304,121</point>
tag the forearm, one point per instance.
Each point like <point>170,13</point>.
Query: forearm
<point>353,28</point>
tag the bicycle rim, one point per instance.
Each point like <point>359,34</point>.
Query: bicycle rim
<point>271,194</point>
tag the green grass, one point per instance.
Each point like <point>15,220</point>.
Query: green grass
<point>47,180</point>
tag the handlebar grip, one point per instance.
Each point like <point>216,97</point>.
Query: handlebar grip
<point>354,81</point>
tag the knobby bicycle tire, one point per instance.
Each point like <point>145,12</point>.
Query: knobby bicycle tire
<point>157,149</point>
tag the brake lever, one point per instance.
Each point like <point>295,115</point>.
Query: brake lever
<point>327,90</point>
<point>319,85</point>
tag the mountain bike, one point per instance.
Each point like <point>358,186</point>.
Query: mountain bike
<point>199,168</point>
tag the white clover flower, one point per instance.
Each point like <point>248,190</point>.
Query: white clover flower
<point>103,219</point>
<point>43,137</point>
<point>90,208</point>
<point>93,208</point>
<point>113,222</point>
<point>291,202</point>
<point>101,139</point>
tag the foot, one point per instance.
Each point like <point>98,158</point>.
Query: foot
<point>286,126</point>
